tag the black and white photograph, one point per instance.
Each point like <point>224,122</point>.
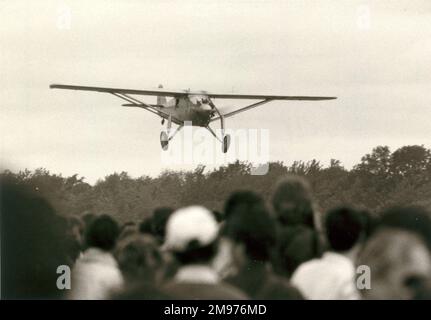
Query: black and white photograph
<point>234,152</point>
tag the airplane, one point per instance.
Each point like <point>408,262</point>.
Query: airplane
<point>186,107</point>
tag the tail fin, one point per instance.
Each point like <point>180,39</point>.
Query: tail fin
<point>161,100</point>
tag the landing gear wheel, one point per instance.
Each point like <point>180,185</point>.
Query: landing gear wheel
<point>226,143</point>
<point>164,140</point>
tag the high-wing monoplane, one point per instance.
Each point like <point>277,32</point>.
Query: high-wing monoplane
<point>187,108</point>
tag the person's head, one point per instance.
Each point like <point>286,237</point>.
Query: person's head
<point>102,233</point>
<point>158,222</point>
<point>138,257</point>
<point>128,229</point>
<point>399,255</point>
<point>414,219</point>
<point>192,235</point>
<point>345,227</point>
<point>249,227</point>
<point>218,216</point>
<point>145,227</point>
<point>88,218</point>
<point>400,265</point>
<point>76,227</point>
<point>239,200</point>
<point>33,245</point>
<point>293,202</point>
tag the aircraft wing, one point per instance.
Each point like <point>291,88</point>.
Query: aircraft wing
<point>263,100</point>
<point>132,102</point>
<point>264,97</point>
<point>121,91</point>
<point>185,93</point>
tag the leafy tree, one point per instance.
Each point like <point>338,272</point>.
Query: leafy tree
<point>382,178</point>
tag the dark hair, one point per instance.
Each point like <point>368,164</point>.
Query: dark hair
<point>218,215</point>
<point>248,222</point>
<point>344,227</point>
<point>145,226</point>
<point>88,218</point>
<point>159,221</point>
<point>296,192</point>
<point>102,233</point>
<point>239,200</point>
<point>33,245</point>
<point>414,219</point>
<point>138,257</point>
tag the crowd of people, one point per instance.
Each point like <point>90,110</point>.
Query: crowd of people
<point>248,250</point>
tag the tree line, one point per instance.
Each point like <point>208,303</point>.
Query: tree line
<point>381,179</point>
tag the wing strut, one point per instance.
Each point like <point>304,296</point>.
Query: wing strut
<point>139,104</point>
<point>134,102</point>
<point>230,114</point>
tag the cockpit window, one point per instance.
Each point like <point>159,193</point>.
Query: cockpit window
<point>199,100</point>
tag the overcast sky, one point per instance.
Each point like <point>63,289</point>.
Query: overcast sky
<point>375,56</point>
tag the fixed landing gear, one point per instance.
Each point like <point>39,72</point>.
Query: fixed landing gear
<point>225,139</point>
<point>225,143</point>
<point>164,140</point>
<point>165,137</point>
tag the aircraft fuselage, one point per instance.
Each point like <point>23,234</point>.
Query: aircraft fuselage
<point>194,108</point>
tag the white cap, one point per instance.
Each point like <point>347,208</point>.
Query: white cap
<point>188,224</point>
